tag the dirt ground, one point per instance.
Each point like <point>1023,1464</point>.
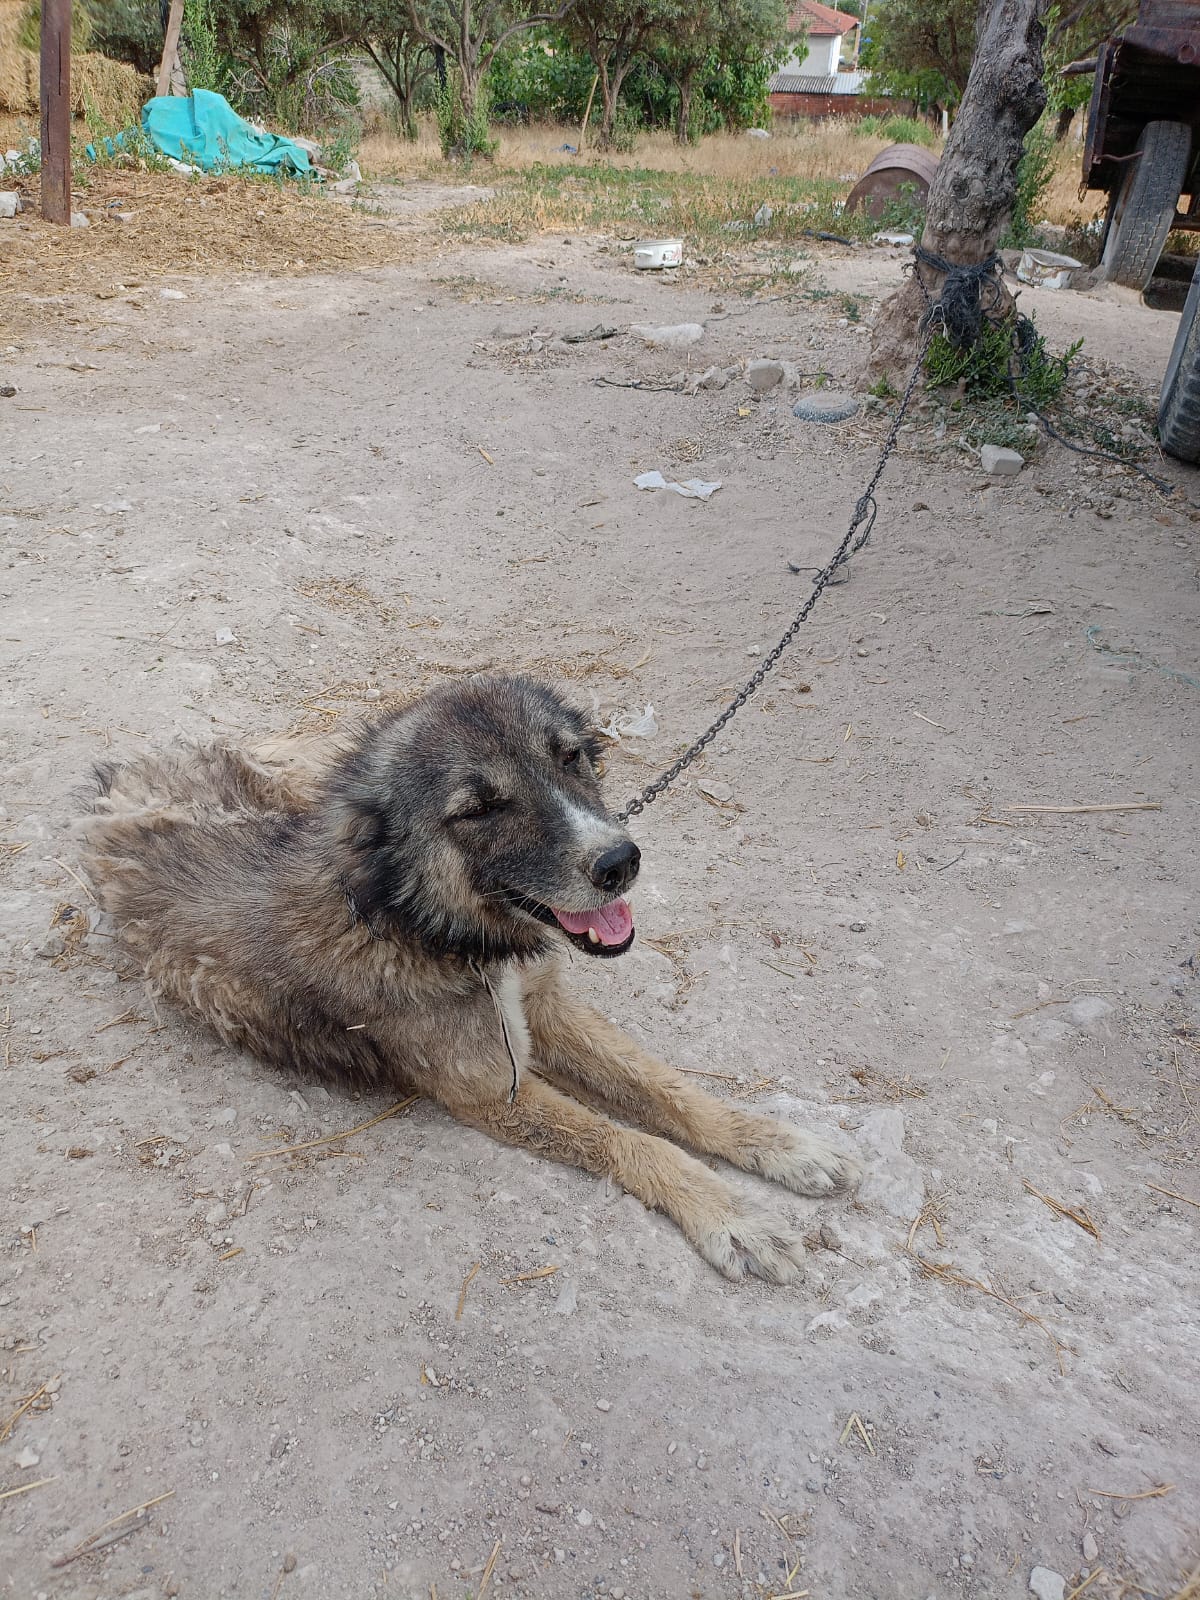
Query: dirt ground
<point>363,482</point>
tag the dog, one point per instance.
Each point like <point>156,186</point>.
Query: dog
<point>394,913</point>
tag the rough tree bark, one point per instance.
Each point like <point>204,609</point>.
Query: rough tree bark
<point>972,194</point>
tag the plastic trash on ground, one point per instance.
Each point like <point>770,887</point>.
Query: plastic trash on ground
<point>690,488</point>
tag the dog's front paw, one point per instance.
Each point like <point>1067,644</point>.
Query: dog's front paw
<point>754,1244</point>
<point>806,1164</point>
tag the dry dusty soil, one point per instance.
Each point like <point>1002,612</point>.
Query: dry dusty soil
<point>363,483</point>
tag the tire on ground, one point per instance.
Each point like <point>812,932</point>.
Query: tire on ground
<point>1141,210</point>
<point>1179,402</point>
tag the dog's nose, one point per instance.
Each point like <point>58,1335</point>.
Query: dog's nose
<point>616,869</point>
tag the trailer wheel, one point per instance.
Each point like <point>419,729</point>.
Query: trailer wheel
<point>1179,403</point>
<point>1141,209</point>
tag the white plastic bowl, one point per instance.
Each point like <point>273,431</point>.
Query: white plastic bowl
<point>651,255</point>
<point>1047,269</point>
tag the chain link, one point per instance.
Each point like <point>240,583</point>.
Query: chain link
<point>865,509</point>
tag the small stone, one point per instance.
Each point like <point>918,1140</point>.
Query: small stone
<point>224,636</point>
<point>226,1117</point>
<point>826,405</point>
<point>1046,1584</point>
<point>603,1405</point>
<point>27,1458</point>
<point>51,946</point>
<point>616,1592</point>
<point>584,1519</point>
<point>858,927</point>
<point>171,294</point>
<point>763,375</point>
<point>1089,1547</point>
<point>217,1214</point>
<point>672,1447</point>
<point>701,1462</point>
<point>79,220</point>
<point>310,1223</point>
<point>1000,463</point>
<point>672,336</point>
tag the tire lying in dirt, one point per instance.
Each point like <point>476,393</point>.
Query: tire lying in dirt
<point>1140,212</point>
<point>1179,403</point>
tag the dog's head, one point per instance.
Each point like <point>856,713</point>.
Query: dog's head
<point>472,819</point>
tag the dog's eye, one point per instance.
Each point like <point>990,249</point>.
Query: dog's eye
<point>571,759</point>
<point>480,810</point>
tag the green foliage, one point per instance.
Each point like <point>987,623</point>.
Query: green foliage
<point>207,65</point>
<point>540,77</point>
<point>883,390</point>
<point>900,130</point>
<point>30,26</point>
<point>903,213</point>
<point>1073,33</point>
<point>1034,172</point>
<point>992,369</point>
<point>922,49</point>
<point>464,131</point>
<point>127,30</point>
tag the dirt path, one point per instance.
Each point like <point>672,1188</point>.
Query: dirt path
<point>371,480</point>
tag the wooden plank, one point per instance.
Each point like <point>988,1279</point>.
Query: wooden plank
<point>56,110</point>
<point>170,48</point>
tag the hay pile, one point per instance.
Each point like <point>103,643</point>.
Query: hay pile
<point>106,91</point>
<point>215,227</point>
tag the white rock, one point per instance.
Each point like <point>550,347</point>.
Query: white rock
<point>10,203</point>
<point>79,220</point>
<point>171,294</point>
<point>764,375</point>
<point>1047,1585</point>
<point>1087,1010</point>
<point>27,1458</point>
<point>1000,463</point>
<point>584,1519</point>
<point>671,336</point>
<point>893,1180</point>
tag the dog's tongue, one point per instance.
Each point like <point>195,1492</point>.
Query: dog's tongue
<point>612,924</point>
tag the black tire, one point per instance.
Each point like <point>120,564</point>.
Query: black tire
<point>1140,212</point>
<point>1179,403</point>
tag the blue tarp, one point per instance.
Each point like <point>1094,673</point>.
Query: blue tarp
<point>205,131</point>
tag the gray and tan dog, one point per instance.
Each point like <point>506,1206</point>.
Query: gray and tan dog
<point>393,916</point>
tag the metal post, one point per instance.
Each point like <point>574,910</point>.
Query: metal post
<point>56,110</point>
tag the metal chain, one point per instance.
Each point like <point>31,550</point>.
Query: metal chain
<point>865,509</point>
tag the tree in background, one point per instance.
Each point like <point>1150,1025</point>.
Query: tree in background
<point>404,59</point>
<point>469,33</point>
<point>710,36</point>
<point>922,49</point>
<point>615,33</point>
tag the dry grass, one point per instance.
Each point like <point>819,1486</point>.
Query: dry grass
<point>219,226</point>
<point>108,90</point>
<point>830,149</point>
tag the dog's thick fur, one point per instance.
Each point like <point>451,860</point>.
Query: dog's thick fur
<point>391,916</point>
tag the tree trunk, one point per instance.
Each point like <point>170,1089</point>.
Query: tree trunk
<point>608,99</point>
<point>1066,116</point>
<point>683,114</point>
<point>972,193</point>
